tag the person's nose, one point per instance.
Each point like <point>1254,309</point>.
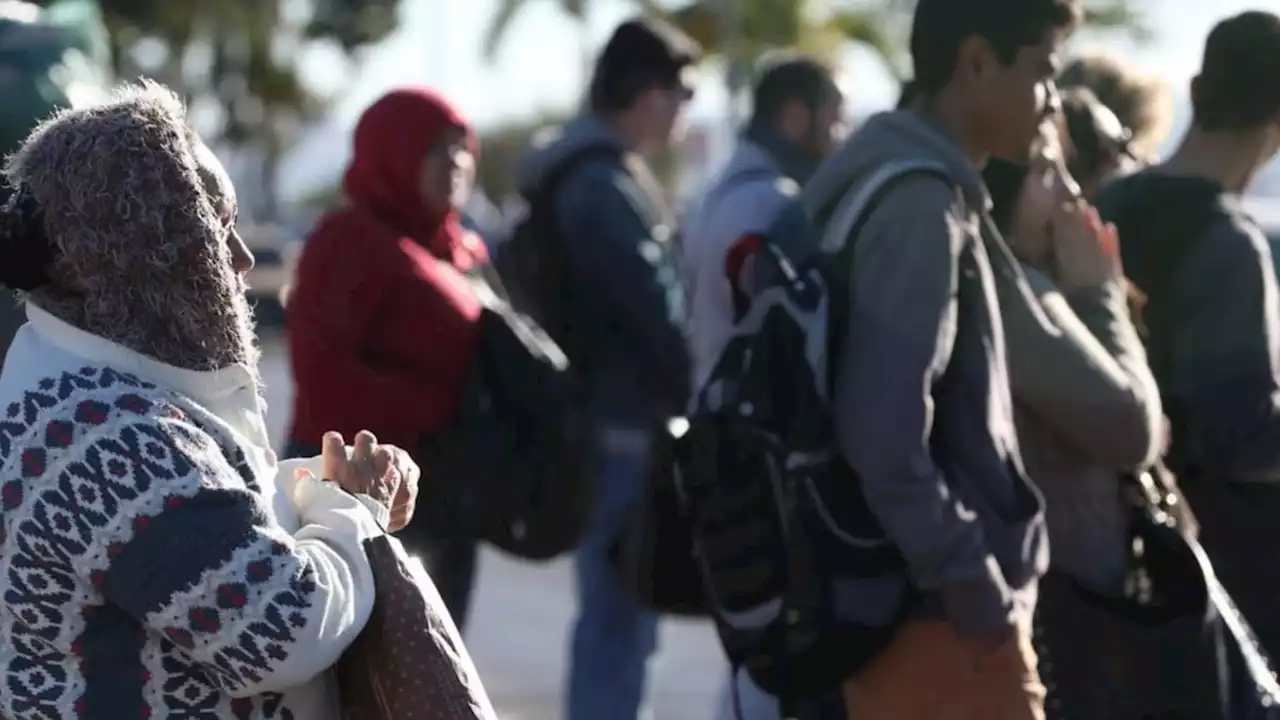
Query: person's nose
<point>1052,102</point>
<point>460,159</point>
<point>241,256</point>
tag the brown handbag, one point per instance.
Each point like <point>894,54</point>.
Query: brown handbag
<point>409,662</point>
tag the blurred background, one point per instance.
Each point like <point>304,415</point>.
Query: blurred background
<point>275,87</point>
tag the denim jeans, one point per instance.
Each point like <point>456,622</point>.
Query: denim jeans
<point>613,636</point>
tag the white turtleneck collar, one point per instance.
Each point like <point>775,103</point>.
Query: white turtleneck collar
<point>231,394</point>
<point>199,385</point>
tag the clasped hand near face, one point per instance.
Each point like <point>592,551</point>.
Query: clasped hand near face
<point>1086,250</point>
<point>384,473</point>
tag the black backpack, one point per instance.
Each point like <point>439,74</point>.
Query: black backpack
<point>531,260</point>
<point>780,528</point>
<point>515,467</point>
<point>653,554</point>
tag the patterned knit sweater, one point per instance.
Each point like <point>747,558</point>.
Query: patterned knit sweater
<point>144,568</point>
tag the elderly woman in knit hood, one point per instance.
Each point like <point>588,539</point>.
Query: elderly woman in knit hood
<point>157,560</point>
<point>182,300</point>
<point>382,322</point>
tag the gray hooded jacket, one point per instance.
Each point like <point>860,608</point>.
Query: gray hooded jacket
<point>922,402</point>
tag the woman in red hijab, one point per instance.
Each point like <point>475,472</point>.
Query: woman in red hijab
<point>381,322</point>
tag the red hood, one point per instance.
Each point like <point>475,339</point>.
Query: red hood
<point>392,139</point>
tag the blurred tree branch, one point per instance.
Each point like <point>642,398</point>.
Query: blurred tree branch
<point>578,10</point>
<point>239,56</point>
<point>501,147</point>
<point>881,25</point>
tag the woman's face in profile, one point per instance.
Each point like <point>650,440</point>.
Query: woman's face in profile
<point>1047,187</point>
<point>448,173</point>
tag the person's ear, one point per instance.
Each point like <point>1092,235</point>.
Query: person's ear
<point>975,60</point>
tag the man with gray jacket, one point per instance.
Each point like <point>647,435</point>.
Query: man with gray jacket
<point>797,119</point>
<point>922,405</point>
<point>625,310</point>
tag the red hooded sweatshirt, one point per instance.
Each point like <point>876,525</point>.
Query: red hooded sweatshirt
<point>381,323</point>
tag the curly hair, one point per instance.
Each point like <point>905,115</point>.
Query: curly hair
<point>1142,102</point>
<point>142,252</point>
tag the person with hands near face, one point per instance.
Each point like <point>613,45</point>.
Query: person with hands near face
<point>1086,407</point>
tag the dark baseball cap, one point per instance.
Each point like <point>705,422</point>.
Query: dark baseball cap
<point>649,50</point>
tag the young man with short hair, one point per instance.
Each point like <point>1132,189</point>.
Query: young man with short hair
<point>1211,308</point>
<point>625,308</point>
<point>922,406</point>
<point>796,121</point>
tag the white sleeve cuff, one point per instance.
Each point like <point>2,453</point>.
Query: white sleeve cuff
<point>328,506</point>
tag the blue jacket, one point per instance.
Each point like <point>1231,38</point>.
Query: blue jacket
<point>626,301</point>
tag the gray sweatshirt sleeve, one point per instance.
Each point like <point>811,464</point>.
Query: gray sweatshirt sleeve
<point>903,323</point>
<point>1223,387</point>
<point>1080,367</point>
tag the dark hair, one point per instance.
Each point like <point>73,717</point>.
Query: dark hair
<point>640,54</point>
<point>1142,102</point>
<point>907,94</point>
<point>1004,181</point>
<point>26,252</point>
<point>790,78</point>
<point>1239,87</point>
<point>942,26</point>
<point>1095,133</point>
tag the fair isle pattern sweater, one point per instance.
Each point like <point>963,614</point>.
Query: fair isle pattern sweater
<point>142,571</point>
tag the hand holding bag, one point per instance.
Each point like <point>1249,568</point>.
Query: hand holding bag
<point>409,662</point>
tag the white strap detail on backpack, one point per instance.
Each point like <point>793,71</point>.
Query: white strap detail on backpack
<point>854,202</point>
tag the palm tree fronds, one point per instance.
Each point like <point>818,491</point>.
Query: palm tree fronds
<point>498,27</point>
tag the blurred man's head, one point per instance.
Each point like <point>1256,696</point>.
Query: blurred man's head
<point>1141,102</point>
<point>994,62</point>
<point>141,219</point>
<point>643,76</point>
<point>1238,88</point>
<point>797,97</point>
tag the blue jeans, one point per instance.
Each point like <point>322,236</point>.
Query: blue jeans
<point>613,636</point>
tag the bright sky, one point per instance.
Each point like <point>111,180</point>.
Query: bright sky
<point>541,64</point>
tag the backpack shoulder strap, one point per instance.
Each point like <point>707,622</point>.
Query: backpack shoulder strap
<point>729,183</point>
<point>561,172</point>
<point>855,205</point>
<point>840,234</point>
